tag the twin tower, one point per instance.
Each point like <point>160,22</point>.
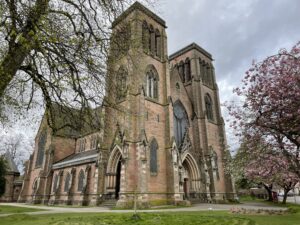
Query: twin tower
<point>162,139</point>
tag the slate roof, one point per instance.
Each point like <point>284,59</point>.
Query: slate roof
<point>77,159</point>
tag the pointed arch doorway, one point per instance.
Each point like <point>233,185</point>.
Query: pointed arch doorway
<point>113,174</point>
<point>191,177</point>
<point>118,180</point>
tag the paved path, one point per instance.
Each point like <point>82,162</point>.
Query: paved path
<point>194,208</point>
<point>291,199</point>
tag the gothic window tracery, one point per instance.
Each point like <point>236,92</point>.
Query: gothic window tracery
<point>207,74</point>
<point>209,107</point>
<point>81,181</point>
<point>41,149</point>
<point>153,156</point>
<point>67,182</point>
<point>184,70</point>
<point>151,40</point>
<point>180,122</point>
<point>152,84</point>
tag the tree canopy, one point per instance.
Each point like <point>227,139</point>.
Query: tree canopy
<point>56,49</point>
<point>267,121</point>
<point>270,109</point>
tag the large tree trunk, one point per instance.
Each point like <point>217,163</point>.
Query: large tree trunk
<point>285,195</point>
<point>21,44</point>
<point>269,190</point>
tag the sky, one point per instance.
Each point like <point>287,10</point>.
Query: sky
<point>235,32</point>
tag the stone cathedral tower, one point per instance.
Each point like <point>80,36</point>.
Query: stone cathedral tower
<point>161,138</point>
<point>164,137</point>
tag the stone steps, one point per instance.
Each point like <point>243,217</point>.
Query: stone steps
<point>109,203</point>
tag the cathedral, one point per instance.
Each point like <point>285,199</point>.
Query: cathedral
<point>162,142</point>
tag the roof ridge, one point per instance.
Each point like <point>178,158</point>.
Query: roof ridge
<point>189,47</point>
<point>139,6</point>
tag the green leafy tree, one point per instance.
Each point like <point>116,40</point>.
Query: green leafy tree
<point>56,49</point>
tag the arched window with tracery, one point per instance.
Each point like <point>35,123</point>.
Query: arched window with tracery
<point>209,107</point>
<point>41,149</point>
<point>180,122</point>
<point>121,83</point>
<point>67,185</point>
<point>153,156</point>
<point>81,181</point>
<point>152,83</point>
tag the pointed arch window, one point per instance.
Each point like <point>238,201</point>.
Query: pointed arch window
<point>55,183</point>
<point>187,70</point>
<point>157,43</point>
<point>121,83</point>
<point>181,71</point>
<point>209,107</point>
<point>153,156</point>
<point>67,185</point>
<point>41,149</point>
<point>146,37</point>
<point>152,40</point>
<point>180,122</point>
<point>152,84</point>
<point>81,181</point>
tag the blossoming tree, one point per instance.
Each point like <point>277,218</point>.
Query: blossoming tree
<point>270,114</point>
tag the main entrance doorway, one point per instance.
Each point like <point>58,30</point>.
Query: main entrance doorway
<point>118,180</point>
<point>113,174</point>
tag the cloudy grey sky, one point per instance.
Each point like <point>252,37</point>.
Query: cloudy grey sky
<point>235,32</point>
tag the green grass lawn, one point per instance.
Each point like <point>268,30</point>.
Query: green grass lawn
<point>4,209</point>
<point>163,218</point>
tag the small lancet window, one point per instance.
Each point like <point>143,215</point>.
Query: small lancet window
<point>187,70</point>
<point>157,43</point>
<point>153,157</point>
<point>121,83</point>
<point>209,107</point>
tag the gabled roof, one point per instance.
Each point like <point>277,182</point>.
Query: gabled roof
<point>11,165</point>
<point>140,7</point>
<point>189,48</point>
